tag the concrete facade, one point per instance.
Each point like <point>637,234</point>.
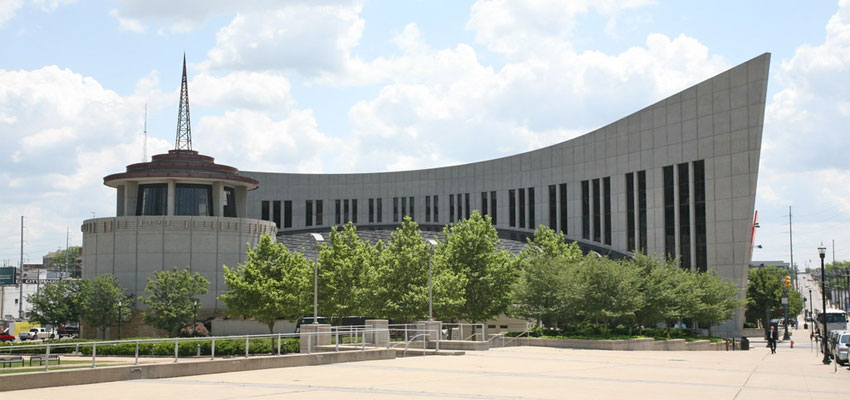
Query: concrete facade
<point>714,126</point>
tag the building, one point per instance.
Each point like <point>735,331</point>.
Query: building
<point>675,178</point>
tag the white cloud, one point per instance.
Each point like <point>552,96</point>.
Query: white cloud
<point>129,24</point>
<point>8,9</point>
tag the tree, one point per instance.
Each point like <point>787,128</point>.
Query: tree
<point>716,299</point>
<point>343,262</point>
<point>539,291</point>
<point>665,289</point>
<point>101,297</point>
<point>471,251</point>
<point>272,283</point>
<point>603,291</point>
<point>399,283</point>
<point>172,300</point>
<point>550,243</point>
<point>764,294</point>
<point>57,303</point>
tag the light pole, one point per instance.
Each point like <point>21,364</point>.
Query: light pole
<point>319,239</point>
<point>195,318</point>
<point>785,336</point>
<point>822,253</point>
<point>432,244</point>
<point>120,317</point>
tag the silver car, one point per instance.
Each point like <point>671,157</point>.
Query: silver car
<point>840,347</point>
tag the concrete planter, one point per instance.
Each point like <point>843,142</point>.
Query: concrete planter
<point>640,344</point>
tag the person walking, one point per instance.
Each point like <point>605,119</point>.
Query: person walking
<point>772,337</point>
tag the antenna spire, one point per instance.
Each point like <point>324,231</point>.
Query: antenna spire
<point>145,132</point>
<point>184,127</point>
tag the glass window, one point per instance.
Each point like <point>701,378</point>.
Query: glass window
<point>371,210</point>
<point>345,215</point>
<point>451,208</point>
<point>483,203</point>
<point>684,217</point>
<point>585,210</point>
<point>380,210</point>
<point>521,208</point>
<point>287,214</point>
<point>308,213</point>
<point>493,207</point>
<point>562,204</point>
<point>229,202</point>
<point>511,207</point>
<point>466,205</point>
<point>597,212</point>
<point>194,200</point>
<point>436,208</point>
<point>427,208</point>
<point>354,210</point>
<point>630,211</point>
<point>395,209</point>
<point>531,215</point>
<point>412,213</point>
<point>699,210</point>
<point>459,208</point>
<point>642,210</point>
<point>152,199</point>
<point>669,214</point>
<point>553,208</point>
<point>319,214</point>
<point>338,212</point>
<point>606,206</point>
<point>276,213</point>
<point>403,207</point>
<point>264,205</point>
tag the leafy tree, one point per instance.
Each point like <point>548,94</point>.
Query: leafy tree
<point>172,298</point>
<point>343,264</point>
<point>665,289</point>
<point>764,294</point>
<point>272,283</point>
<point>550,243</point>
<point>101,297</point>
<point>716,299</point>
<point>399,283</point>
<point>603,291</point>
<point>57,303</point>
<point>539,291</point>
<point>65,257</point>
<point>471,251</point>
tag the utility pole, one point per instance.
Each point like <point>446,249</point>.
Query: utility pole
<point>791,243</point>
<point>21,282</point>
<point>67,252</point>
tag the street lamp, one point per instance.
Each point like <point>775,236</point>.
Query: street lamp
<point>120,317</point>
<point>822,253</point>
<point>432,244</point>
<point>318,238</point>
<point>195,318</point>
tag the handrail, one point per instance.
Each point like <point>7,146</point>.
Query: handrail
<point>424,344</point>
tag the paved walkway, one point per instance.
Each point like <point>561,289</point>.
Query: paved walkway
<point>511,373</point>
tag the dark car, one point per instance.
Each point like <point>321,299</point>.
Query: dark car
<point>308,321</point>
<point>6,337</point>
<point>65,331</point>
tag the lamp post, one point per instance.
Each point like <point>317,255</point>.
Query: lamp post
<point>822,253</point>
<point>811,309</point>
<point>120,317</point>
<point>431,243</point>
<point>319,239</point>
<point>785,336</point>
<point>195,317</point>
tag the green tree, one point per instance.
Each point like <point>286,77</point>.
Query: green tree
<point>399,284</point>
<point>272,283</point>
<point>539,291</point>
<point>104,303</point>
<point>764,295</point>
<point>65,258</point>
<point>665,289</point>
<point>603,291</point>
<point>550,243</point>
<point>57,303</point>
<point>343,264</point>
<point>716,299</point>
<point>172,298</point>
<point>471,251</point>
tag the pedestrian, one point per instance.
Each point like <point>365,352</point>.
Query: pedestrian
<point>772,337</point>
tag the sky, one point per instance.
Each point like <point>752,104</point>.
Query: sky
<point>341,86</point>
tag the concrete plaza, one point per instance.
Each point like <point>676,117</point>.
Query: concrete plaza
<point>510,373</point>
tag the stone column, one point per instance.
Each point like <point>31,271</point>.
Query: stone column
<point>172,194</point>
<point>432,328</point>
<point>314,335</point>
<point>218,199</point>
<point>380,338</point>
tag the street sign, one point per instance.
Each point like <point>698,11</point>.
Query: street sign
<point>7,275</point>
<point>784,300</point>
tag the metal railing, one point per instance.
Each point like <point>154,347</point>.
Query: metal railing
<point>355,335</point>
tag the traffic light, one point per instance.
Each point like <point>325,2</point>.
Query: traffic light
<point>787,281</point>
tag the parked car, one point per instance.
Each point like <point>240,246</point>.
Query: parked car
<point>840,347</point>
<point>37,333</point>
<point>68,331</point>
<point>308,321</point>
<point>6,337</point>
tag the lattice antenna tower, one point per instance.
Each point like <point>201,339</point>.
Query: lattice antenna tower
<point>145,136</point>
<point>184,127</point>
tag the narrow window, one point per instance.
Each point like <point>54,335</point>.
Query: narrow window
<point>521,208</point>
<point>699,209</point>
<point>287,214</point>
<point>412,213</point>
<point>684,217</point>
<point>451,208</point>
<point>642,210</point>
<point>493,209</point>
<point>459,207</point>
<point>511,208</point>
<point>483,203</point>
<point>606,186</point>
<point>395,209</point>
<point>531,208</point>
<point>380,210</point>
<point>553,207</point>
<point>585,210</point>
<point>436,209</point>
<point>308,213</point>
<point>466,204</point>
<point>264,213</point>
<point>597,214</point>
<point>630,211</point>
<point>669,214</point>
<point>229,202</point>
<point>276,213</point>
<point>403,207</point>
<point>562,188</point>
<point>371,210</point>
<point>319,213</point>
<point>345,218</point>
<point>354,210</point>
<point>427,208</point>
<point>338,214</point>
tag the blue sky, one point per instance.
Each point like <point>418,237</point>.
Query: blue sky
<point>303,86</point>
